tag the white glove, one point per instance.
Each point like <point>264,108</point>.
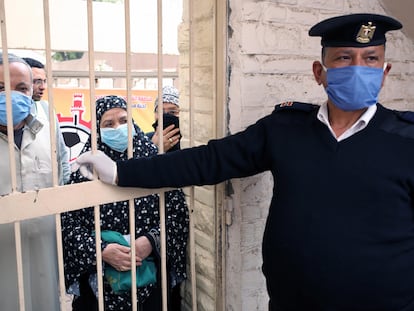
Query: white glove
<point>103,165</point>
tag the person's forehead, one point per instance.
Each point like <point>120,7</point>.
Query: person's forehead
<point>38,73</point>
<point>19,73</point>
<point>377,49</point>
<point>114,113</point>
<point>168,105</point>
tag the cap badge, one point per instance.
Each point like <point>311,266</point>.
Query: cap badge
<point>366,32</point>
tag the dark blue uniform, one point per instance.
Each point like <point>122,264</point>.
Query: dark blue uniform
<point>340,229</point>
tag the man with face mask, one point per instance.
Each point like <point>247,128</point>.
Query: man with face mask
<point>39,87</point>
<point>32,156</point>
<point>340,229</point>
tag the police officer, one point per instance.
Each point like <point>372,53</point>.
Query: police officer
<point>340,229</point>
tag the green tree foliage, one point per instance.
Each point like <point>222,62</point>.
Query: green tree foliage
<point>63,55</point>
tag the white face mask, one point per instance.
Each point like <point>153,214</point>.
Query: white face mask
<point>116,138</point>
<point>21,105</point>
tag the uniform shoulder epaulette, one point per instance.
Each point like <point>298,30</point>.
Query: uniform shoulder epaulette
<point>298,106</point>
<point>407,116</point>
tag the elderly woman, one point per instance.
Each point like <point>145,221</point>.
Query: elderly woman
<point>78,226</point>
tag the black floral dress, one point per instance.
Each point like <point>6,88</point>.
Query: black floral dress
<point>78,226</point>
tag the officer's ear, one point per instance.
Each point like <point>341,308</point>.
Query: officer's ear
<point>318,72</point>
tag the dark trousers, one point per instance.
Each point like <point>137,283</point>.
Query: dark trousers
<point>86,301</point>
<point>175,299</point>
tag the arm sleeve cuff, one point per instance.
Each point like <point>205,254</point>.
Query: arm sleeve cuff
<point>154,237</point>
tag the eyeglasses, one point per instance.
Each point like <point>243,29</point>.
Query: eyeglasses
<point>39,82</point>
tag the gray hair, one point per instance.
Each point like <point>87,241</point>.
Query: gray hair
<point>15,59</point>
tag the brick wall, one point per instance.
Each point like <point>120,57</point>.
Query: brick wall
<point>201,81</point>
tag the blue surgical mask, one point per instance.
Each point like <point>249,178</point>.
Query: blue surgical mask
<point>354,87</point>
<point>21,105</point>
<point>116,138</point>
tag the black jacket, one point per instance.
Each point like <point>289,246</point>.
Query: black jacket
<point>340,229</point>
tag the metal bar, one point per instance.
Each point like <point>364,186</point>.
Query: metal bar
<point>112,74</point>
<point>10,133</point>
<point>60,261</point>
<point>52,120</point>
<point>130,149</point>
<point>164,272</point>
<point>97,219</point>
<point>53,144</point>
<point>19,258</point>
<point>94,147</point>
<point>12,163</point>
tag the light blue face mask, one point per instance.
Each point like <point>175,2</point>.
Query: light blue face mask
<point>21,105</point>
<point>116,138</point>
<point>354,87</point>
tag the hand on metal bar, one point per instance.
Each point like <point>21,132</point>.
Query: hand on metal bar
<point>104,166</point>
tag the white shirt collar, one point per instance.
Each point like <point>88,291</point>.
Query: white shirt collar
<point>359,125</point>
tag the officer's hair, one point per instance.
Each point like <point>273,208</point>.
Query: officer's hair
<point>323,52</point>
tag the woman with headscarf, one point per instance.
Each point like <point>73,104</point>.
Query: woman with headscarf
<point>78,226</point>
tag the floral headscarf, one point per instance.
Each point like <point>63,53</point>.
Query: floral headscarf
<point>142,146</point>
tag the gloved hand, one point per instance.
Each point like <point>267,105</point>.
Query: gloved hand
<point>103,165</point>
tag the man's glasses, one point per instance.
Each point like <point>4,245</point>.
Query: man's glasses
<point>39,82</point>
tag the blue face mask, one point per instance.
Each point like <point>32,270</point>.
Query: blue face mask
<point>354,87</point>
<point>21,105</point>
<point>116,138</point>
